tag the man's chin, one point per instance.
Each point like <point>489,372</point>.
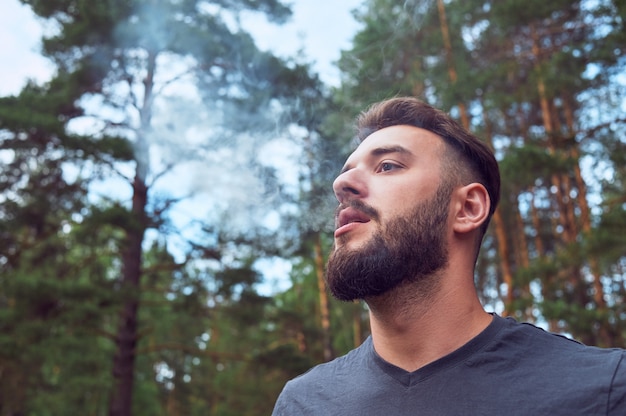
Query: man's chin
<point>348,244</point>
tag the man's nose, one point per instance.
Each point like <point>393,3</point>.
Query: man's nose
<point>348,185</point>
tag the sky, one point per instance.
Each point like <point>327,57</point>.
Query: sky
<point>19,40</point>
<point>321,28</point>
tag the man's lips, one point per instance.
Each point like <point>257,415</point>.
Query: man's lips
<point>347,218</point>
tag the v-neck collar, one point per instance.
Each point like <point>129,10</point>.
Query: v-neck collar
<point>410,378</point>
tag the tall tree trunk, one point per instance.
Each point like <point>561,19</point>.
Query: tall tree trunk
<point>585,212</point>
<point>548,125</point>
<point>447,44</point>
<point>126,339</point>
<point>127,335</point>
<point>607,336</point>
<point>522,289</point>
<point>505,264</point>
<point>323,296</point>
<point>555,185</point>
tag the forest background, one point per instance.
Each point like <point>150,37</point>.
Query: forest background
<point>148,191</point>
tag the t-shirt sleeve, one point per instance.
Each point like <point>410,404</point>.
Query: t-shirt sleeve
<point>617,394</point>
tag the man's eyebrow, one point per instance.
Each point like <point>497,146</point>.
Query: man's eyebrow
<point>390,149</point>
<point>379,151</point>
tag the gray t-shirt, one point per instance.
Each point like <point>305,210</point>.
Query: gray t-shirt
<point>508,369</point>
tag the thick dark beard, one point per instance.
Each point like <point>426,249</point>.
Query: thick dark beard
<point>407,249</point>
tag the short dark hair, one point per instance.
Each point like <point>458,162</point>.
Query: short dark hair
<point>478,163</point>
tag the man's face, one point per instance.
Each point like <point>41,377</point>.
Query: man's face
<point>391,223</point>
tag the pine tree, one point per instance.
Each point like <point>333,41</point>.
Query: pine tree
<point>122,68</point>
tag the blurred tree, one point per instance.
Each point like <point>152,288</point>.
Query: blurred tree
<point>551,47</point>
<point>123,68</point>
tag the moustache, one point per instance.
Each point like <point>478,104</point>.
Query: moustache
<point>368,210</point>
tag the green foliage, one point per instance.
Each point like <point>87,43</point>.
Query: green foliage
<point>389,54</point>
<point>55,302</point>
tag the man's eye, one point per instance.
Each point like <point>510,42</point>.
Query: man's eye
<point>387,166</point>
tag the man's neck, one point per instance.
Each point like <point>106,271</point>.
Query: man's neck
<point>414,326</point>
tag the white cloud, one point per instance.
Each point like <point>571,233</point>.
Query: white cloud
<point>20,35</point>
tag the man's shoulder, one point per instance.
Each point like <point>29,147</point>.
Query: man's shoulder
<point>326,385</point>
<point>345,365</point>
<point>523,334</point>
<point>557,371</point>
<point>529,344</point>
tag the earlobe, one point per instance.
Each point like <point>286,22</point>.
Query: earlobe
<point>472,207</point>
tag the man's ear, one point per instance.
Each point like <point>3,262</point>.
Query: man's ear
<point>471,207</point>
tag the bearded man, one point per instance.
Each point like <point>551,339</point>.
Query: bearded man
<point>415,199</point>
